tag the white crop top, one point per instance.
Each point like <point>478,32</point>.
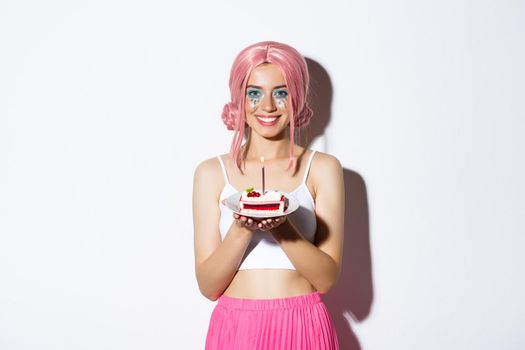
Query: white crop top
<point>264,252</point>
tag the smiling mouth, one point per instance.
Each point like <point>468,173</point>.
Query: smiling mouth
<point>267,120</point>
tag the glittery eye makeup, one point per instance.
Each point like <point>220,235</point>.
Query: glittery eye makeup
<point>280,94</point>
<point>280,97</point>
<point>254,93</point>
<point>255,96</point>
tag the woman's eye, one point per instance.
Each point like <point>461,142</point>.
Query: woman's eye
<point>253,94</point>
<point>281,94</point>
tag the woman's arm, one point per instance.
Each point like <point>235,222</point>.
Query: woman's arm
<point>320,263</point>
<point>216,262</point>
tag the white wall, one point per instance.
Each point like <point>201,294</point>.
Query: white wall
<point>106,107</point>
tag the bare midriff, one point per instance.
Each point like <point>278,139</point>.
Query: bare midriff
<point>268,284</point>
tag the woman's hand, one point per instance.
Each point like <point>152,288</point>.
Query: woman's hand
<point>260,224</point>
<point>246,221</point>
<point>271,223</point>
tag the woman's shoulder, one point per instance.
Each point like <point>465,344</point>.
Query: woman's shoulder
<point>209,170</point>
<point>324,165</point>
<point>322,160</point>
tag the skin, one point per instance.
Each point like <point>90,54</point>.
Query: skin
<point>317,264</point>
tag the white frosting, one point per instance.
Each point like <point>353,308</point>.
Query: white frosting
<point>269,196</point>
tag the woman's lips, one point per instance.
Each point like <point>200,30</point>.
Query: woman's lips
<point>267,121</point>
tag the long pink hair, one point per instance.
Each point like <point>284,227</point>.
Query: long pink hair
<point>295,71</point>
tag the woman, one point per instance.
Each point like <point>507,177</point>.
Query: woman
<point>268,274</point>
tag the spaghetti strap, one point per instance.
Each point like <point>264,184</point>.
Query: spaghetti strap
<point>223,170</point>
<point>308,166</point>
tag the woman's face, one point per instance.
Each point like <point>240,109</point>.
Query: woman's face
<point>266,102</point>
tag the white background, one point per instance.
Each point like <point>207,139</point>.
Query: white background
<point>106,107</point>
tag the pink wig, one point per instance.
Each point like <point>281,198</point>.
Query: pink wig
<point>295,72</point>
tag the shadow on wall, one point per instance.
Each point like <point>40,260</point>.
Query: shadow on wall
<point>351,299</point>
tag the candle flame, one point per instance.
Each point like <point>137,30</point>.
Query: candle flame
<point>262,160</point>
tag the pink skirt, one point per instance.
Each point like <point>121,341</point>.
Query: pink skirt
<point>300,322</point>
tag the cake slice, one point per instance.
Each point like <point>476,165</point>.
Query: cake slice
<point>255,202</point>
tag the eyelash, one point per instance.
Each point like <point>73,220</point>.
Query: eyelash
<point>255,94</point>
<point>279,94</point>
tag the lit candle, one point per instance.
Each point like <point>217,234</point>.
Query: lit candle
<point>262,161</point>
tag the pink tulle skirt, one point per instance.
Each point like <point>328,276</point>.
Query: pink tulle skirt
<point>300,322</point>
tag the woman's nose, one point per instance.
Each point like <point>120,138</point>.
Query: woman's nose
<point>268,104</point>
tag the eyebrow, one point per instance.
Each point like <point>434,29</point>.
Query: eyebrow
<point>258,87</point>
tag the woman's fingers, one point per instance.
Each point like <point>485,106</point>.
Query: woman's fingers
<point>245,221</point>
<point>270,223</point>
<point>261,224</point>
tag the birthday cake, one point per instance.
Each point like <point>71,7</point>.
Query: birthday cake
<point>271,201</point>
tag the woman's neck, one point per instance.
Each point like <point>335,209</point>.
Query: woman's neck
<point>257,146</point>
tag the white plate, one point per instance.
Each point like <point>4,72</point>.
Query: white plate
<point>232,202</point>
